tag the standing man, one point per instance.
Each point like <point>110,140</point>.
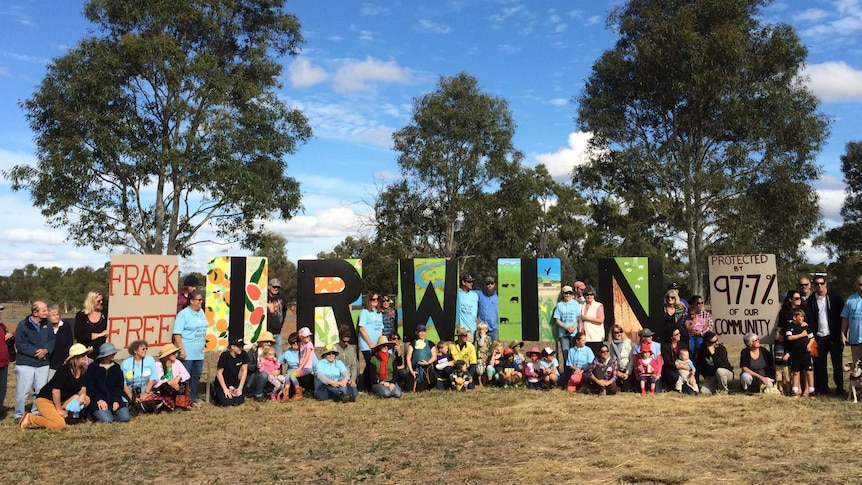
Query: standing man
<point>851,322</point>
<point>34,340</point>
<point>275,313</point>
<point>567,316</point>
<point>190,285</point>
<point>804,289</point>
<point>467,316</point>
<point>579,288</point>
<point>826,308</point>
<point>489,308</point>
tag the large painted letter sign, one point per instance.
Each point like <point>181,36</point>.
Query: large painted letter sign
<point>236,299</point>
<point>632,293</point>
<point>143,292</point>
<point>744,294</point>
<point>325,291</point>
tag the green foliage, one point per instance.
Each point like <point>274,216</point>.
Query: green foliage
<point>165,121</point>
<point>698,117</point>
<point>67,288</point>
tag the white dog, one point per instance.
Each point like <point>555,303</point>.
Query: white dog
<point>855,379</point>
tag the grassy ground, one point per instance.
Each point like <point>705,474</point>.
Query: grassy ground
<point>481,436</point>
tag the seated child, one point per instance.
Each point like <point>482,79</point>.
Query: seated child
<point>533,369</point>
<point>646,369</point>
<point>510,372</point>
<point>495,365</point>
<point>272,368</point>
<point>459,377</point>
<point>444,365</point>
<point>686,376</point>
<point>550,368</point>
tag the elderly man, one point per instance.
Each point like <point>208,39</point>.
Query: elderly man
<point>804,289</point>
<point>34,339</point>
<point>275,313</point>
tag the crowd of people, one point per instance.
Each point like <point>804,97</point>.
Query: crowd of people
<point>73,374</point>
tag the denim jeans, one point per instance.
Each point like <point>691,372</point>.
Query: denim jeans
<point>28,378</point>
<point>384,391</point>
<point>494,335</point>
<point>108,416</point>
<point>324,392</point>
<point>195,368</point>
<point>257,383</point>
<point>277,344</point>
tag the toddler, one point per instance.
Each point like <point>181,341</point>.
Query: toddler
<point>533,369</point>
<point>272,368</point>
<point>645,369</point>
<point>444,365</point>
<point>550,368</point>
<point>686,376</point>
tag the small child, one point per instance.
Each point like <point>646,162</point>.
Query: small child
<point>291,358</point>
<point>272,368</point>
<point>533,369</point>
<point>444,365</point>
<point>483,349</point>
<point>686,376</point>
<point>645,369</point>
<point>510,372</point>
<point>550,368</point>
<point>798,343</point>
<point>782,358</point>
<point>495,364</point>
<point>459,377</point>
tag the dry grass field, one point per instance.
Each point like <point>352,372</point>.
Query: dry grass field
<point>481,436</point>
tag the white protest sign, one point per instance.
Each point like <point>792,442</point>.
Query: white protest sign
<point>744,294</point>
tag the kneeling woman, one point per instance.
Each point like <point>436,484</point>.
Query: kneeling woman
<point>105,385</point>
<point>331,378</point>
<point>64,391</point>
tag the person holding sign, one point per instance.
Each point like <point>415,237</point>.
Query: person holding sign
<point>189,335</point>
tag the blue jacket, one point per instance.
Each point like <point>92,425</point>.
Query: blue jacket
<point>28,340</point>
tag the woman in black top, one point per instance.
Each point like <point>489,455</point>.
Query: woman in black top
<point>57,396</point>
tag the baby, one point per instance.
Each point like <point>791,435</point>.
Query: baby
<point>270,366</point>
<point>685,375</point>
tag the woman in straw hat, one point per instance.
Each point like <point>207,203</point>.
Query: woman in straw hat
<point>105,384</point>
<point>63,395</point>
<point>383,362</point>
<point>172,381</point>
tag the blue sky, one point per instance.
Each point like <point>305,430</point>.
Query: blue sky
<point>357,75</point>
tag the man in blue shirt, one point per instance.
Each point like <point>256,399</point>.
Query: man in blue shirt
<point>468,307</point>
<point>34,340</point>
<point>851,322</point>
<point>489,304</point>
<point>567,317</point>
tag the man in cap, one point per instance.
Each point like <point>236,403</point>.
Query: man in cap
<point>578,288</point>
<point>489,303</point>
<point>231,373</point>
<point>190,285</point>
<point>567,318</point>
<point>275,313</point>
<point>467,314</point>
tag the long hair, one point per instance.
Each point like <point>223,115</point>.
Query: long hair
<point>368,304</point>
<point>90,302</point>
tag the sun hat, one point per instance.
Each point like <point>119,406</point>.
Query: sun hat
<point>568,289</point>
<point>548,351</point>
<point>463,331</point>
<point>266,336</point>
<point>168,350</point>
<point>534,350</point>
<point>329,349</point>
<point>76,350</point>
<point>275,283</point>
<point>383,341</point>
<point>304,332</point>
<point>106,349</point>
<point>645,333</point>
<point>516,344</point>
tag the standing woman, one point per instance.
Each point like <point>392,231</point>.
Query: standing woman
<point>370,329</point>
<point>106,387</point>
<point>140,372</point>
<point>63,339</point>
<point>189,335</point>
<point>67,389</point>
<point>421,355</point>
<point>675,314</point>
<point>91,325</point>
<point>387,312</point>
<point>593,318</point>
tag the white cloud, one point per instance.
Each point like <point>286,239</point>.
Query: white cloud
<point>433,27</point>
<point>558,102</point>
<point>811,15</point>
<point>35,236</point>
<point>593,20</point>
<point>830,205</point>
<point>356,75</point>
<point>303,74</point>
<point>506,13</point>
<point>334,222</point>
<point>371,9</point>
<point>561,162</point>
<point>9,159</point>
<point>834,81</point>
